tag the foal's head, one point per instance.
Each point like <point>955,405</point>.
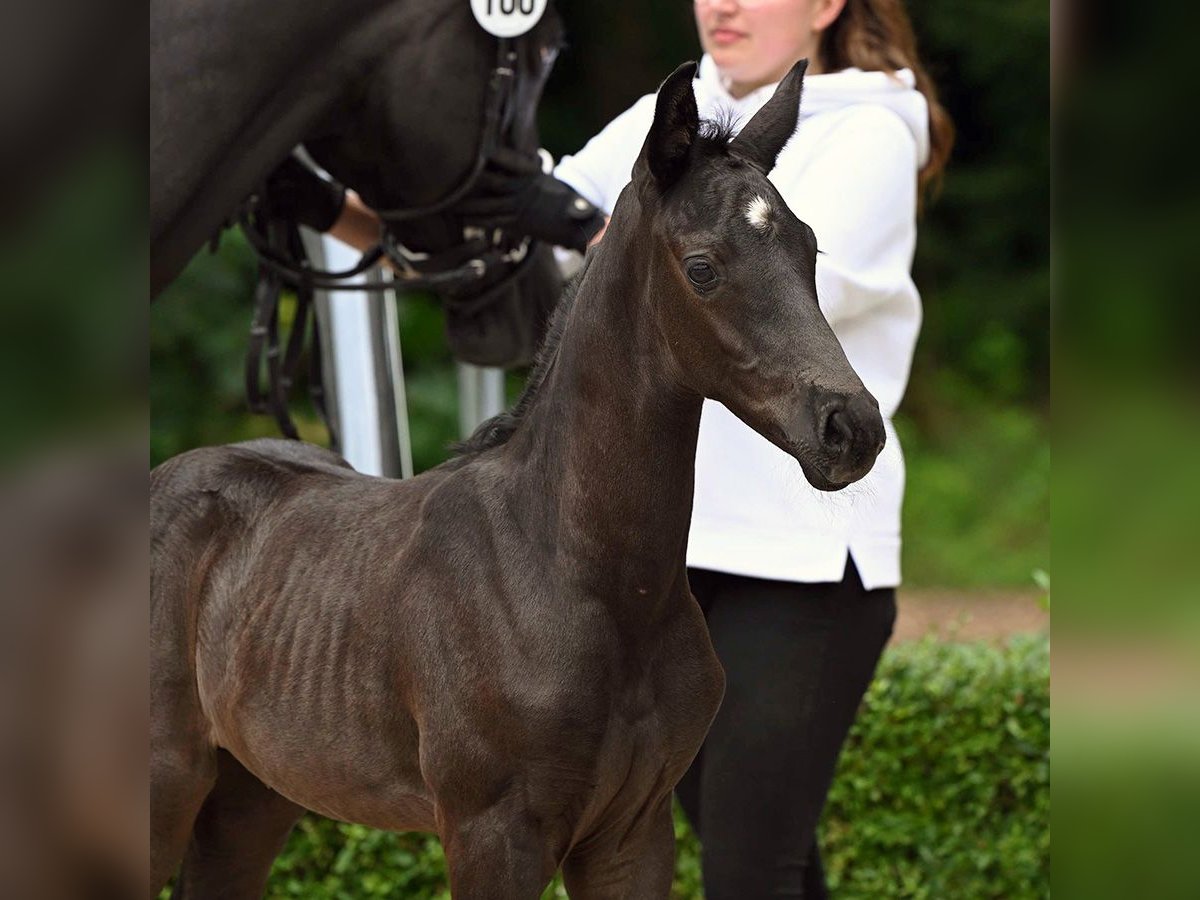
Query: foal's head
<point>734,291</point>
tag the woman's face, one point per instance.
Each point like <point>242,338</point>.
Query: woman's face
<point>755,42</point>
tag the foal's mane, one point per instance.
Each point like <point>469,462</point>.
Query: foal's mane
<point>712,140</point>
<point>716,132</point>
<point>499,428</point>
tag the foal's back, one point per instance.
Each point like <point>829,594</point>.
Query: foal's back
<point>226,503</point>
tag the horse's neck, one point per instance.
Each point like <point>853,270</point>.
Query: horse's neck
<point>608,456</point>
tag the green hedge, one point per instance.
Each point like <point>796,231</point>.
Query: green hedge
<point>944,788</point>
<point>943,791</point>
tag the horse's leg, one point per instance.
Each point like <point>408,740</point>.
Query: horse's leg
<point>180,779</point>
<point>183,765</point>
<point>633,865</point>
<point>183,761</point>
<point>240,830</point>
<point>497,856</point>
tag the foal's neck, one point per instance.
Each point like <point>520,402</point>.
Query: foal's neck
<point>607,457</point>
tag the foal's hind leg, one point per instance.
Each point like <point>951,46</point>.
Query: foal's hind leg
<point>180,779</point>
<point>239,832</point>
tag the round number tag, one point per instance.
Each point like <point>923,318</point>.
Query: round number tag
<point>507,18</point>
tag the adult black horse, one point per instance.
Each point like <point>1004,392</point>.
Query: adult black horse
<point>410,102</point>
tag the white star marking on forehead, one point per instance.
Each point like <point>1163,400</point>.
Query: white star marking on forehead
<point>758,213</point>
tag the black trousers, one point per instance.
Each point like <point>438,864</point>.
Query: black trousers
<point>798,659</point>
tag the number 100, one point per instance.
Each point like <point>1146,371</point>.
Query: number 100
<point>508,7</point>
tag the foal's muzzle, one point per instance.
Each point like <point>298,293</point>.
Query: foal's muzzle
<point>848,437</point>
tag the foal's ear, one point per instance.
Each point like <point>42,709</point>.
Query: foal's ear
<point>766,134</point>
<point>676,121</point>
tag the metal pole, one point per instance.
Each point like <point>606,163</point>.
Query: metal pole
<point>364,375</point>
<point>363,368</point>
<point>480,396</point>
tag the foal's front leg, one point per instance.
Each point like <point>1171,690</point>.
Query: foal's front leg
<point>497,855</point>
<point>633,865</point>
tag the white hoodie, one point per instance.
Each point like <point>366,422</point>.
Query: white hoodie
<point>850,172</point>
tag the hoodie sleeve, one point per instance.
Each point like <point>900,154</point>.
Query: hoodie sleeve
<point>605,164</point>
<point>857,191</point>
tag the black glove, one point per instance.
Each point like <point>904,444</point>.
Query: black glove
<point>514,193</point>
<point>297,193</point>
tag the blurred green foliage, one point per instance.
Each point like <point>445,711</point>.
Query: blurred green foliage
<point>977,504</point>
<point>1127,797</point>
<point>973,423</point>
<point>72,357</point>
<point>942,791</point>
<point>1126,424</point>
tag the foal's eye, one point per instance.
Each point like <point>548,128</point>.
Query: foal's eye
<point>701,273</point>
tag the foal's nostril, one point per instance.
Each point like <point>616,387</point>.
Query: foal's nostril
<point>837,433</point>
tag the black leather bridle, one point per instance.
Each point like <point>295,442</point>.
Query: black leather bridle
<point>283,261</point>
<point>415,270</point>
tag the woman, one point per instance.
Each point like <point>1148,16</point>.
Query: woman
<point>798,586</point>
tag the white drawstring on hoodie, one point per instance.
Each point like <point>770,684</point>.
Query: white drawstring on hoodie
<point>850,172</point>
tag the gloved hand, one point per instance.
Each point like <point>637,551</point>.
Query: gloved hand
<point>296,192</point>
<point>514,193</point>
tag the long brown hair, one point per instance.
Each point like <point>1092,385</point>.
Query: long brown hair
<point>877,36</point>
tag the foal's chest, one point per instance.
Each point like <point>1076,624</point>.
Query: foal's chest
<point>662,718</point>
